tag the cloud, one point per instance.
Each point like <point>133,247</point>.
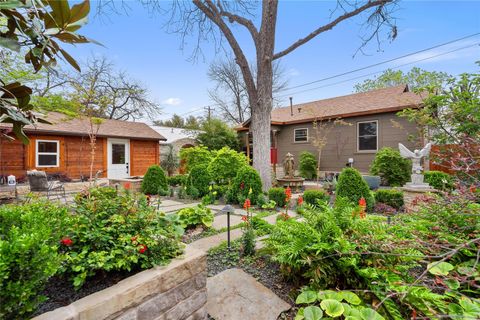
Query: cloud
<point>292,72</point>
<point>172,101</point>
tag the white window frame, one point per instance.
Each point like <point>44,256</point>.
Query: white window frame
<point>358,136</point>
<point>37,154</point>
<point>295,135</point>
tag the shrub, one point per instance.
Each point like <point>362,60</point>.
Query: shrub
<point>439,180</point>
<point>114,231</point>
<point>248,242</point>
<point>247,180</point>
<point>199,178</point>
<point>177,180</point>
<point>261,200</point>
<point>154,180</point>
<point>277,195</point>
<point>352,186</point>
<point>192,157</point>
<point>384,209</point>
<point>308,165</point>
<point>392,198</point>
<point>391,167</point>
<point>192,217</point>
<point>313,196</point>
<point>225,165</point>
<point>30,235</point>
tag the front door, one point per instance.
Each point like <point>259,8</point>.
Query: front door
<point>118,158</point>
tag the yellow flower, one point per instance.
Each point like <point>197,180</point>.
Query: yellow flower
<point>210,188</point>
<point>250,191</point>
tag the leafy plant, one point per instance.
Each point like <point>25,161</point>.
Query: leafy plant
<point>195,216</point>
<point>308,165</point>
<point>247,184</point>
<point>195,156</point>
<point>177,180</point>
<point>225,165</point>
<point>154,181</point>
<point>439,180</point>
<point>199,179</point>
<point>313,196</point>
<point>352,187</point>
<point>270,205</point>
<point>393,169</point>
<point>277,195</point>
<point>170,163</point>
<point>216,134</point>
<point>390,197</point>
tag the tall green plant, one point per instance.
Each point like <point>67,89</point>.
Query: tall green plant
<point>170,162</point>
<point>225,165</point>
<point>353,187</point>
<point>391,167</point>
<point>308,165</point>
<point>154,181</point>
<point>195,156</point>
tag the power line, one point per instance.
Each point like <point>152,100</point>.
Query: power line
<point>373,73</point>
<point>383,62</point>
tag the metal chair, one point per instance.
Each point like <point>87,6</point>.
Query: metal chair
<point>39,183</point>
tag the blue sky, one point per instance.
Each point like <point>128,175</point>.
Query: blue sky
<point>137,43</point>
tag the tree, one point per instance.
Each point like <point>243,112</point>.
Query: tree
<point>110,93</point>
<point>36,26</point>
<point>170,163</point>
<point>191,122</point>
<point>416,78</point>
<point>216,134</point>
<point>230,92</point>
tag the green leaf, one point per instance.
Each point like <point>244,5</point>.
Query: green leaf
<point>453,284</point>
<point>11,4</point>
<point>353,318</point>
<point>329,294</point>
<point>306,297</point>
<point>351,298</point>
<point>60,12</point>
<point>299,315</point>
<point>70,60</point>
<point>454,310</point>
<point>9,43</point>
<point>466,270</point>
<point>370,314</point>
<point>351,311</point>
<point>332,307</point>
<point>80,11</point>
<point>312,313</point>
<point>439,268</point>
<point>471,310</point>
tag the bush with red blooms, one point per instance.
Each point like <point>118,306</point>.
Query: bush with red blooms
<point>248,237</point>
<point>114,230</point>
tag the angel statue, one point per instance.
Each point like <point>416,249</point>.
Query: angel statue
<point>288,165</point>
<point>416,156</point>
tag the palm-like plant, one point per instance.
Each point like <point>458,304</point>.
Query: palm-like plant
<point>170,163</point>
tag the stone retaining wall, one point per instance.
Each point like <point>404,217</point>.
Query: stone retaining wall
<point>174,292</point>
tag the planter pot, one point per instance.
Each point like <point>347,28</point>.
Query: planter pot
<point>373,181</point>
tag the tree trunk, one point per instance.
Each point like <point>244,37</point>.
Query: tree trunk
<point>260,128</point>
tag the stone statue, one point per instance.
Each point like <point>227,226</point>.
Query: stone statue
<point>417,168</point>
<point>289,165</point>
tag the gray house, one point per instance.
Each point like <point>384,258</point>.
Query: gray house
<point>354,126</point>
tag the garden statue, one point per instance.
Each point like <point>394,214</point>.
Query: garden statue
<point>417,168</point>
<point>288,165</point>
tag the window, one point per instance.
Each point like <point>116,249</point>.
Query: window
<point>301,135</point>
<point>47,153</point>
<point>367,133</point>
<point>118,153</point>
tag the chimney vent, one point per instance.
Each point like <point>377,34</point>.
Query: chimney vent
<point>291,106</point>
<point>299,110</point>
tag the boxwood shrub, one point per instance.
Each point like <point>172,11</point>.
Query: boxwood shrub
<point>393,169</point>
<point>277,195</point>
<point>199,178</point>
<point>391,197</point>
<point>311,196</point>
<point>154,181</point>
<point>308,165</point>
<point>177,180</point>
<point>191,157</point>
<point>246,179</point>
<point>225,165</point>
<point>352,186</point>
<point>439,180</point>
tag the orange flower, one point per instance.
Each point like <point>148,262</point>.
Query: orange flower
<point>246,204</point>
<point>362,202</point>
<point>244,218</point>
<point>300,201</point>
<point>288,194</point>
<point>127,186</point>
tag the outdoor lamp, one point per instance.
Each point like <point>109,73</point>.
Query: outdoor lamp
<point>228,209</point>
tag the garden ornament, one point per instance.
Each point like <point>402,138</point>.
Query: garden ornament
<point>417,168</point>
<point>288,165</point>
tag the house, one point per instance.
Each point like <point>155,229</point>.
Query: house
<point>123,148</point>
<point>370,122</point>
<point>178,138</point>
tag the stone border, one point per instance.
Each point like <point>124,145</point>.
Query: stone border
<point>176,291</point>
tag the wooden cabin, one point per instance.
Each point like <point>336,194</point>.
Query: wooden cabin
<point>122,149</point>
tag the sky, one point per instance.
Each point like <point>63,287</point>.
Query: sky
<point>137,41</point>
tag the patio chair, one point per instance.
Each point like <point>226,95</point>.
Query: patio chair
<point>39,183</point>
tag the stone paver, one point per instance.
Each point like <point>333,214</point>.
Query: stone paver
<point>177,207</point>
<point>216,207</point>
<point>210,242</point>
<point>220,221</point>
<point>235,295</point>
<point>168,203</point>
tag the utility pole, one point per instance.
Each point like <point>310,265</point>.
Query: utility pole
<point>209,112</point>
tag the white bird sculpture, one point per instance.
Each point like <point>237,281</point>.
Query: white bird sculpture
<point>416,156</point>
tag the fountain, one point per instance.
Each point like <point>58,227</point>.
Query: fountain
<point>289,179</point>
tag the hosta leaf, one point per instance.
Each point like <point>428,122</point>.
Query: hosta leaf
<point>329,294</point>
<point>351,311</point>
<point>351,298</point>
<point>439,268</point>
<point>471,310</point>
<point>453,284</point>
<point>306,297</point>
<point>312,313</point>
<point>465,270</point>
<point>353,318</point>
<point>332,307</point>
<point>370,314</point>
<point>299,315</point>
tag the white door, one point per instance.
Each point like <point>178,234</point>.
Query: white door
<point>118,158</point>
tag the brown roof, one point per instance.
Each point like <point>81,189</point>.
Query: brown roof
<point>371,102</point>
<point>64,125</point>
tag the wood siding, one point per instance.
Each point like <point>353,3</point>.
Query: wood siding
<point>342,141</point>
<point>16,158</point>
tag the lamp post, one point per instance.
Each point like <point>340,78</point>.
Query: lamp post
<point>228,209</point>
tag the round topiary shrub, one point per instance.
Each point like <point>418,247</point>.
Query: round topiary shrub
<point>277,195</point>
<point>199,178</point>
<point>439,180</point>
<point>390,197</point>
<point>308,165</point>
<point>154,181</point>
<point>246,179</point>
<point>391,167</point>
<point>311,197</point>
<point>226,164</point>
<point>352,186</point>
<point>191,157</point>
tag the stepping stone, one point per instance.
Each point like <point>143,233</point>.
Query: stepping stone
<point>220,221</point>
<point>216,207</point>
<point>272,219</point>
<point>177,207</point>
<point>168,203</point>
<point>209,242</point>
<point>236,295</point>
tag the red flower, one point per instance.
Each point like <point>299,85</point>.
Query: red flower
<point>362,202</point>
<point>66,241</point>
<point>299,201</point>
<point>473,188</point>
<point>244,218</point>
<point>288,194</point>
<point>127,186</point>
<point>142,248</point>
<point>242,185</point>
<point>247,204</point>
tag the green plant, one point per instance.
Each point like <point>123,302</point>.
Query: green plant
<point>29,239</point>
<point>225,165</point>
<point>195,156</point>
<point>247,184</point>
<point>207,199</point>
<point>352,186</point>
<point>199,178</point>
<point>216,134</point>
<point>270,205</point>
<point>182,192</point>
<point>308,165</point>
<point>261,200</point>
<point>154,180</point>
<point>177,180</point>
<point>277,195</point>
<point>391,197</point>
<point>192,217</point>
<point>248,242</point>
<point>393,169</point>
<point>116,231</point>
<point>313,196</point>
<point>170,163</point>
<point>439,180</point>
